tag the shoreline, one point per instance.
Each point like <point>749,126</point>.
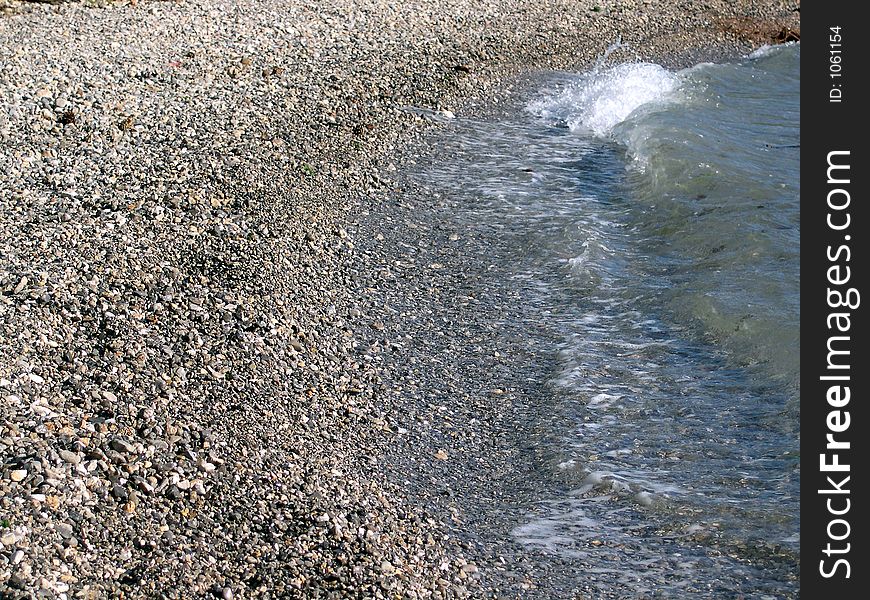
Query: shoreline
<point>493,407</point>
<point>203,366</point>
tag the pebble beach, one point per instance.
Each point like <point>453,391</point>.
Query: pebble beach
<point>235,360</point>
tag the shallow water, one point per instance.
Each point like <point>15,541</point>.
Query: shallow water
<point>651,219</point>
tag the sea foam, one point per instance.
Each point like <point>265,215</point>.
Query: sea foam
<point>602,99</point>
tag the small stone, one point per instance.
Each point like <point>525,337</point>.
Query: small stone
<point>71,457</point>
<point>145,487</point>
<point>441,455</point>
<point>123,446</point>
<point>18,474</point>
<point>120,493</point>
<point>644,498</point>
<point>227,593</point>
<point>8,539</point>
<point>470,568</point>
<point>64,529</point>
<point>17,557</point>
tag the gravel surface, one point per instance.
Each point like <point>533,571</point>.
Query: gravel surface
<point>220,360</point>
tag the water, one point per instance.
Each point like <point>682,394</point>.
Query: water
<point>651,220</point>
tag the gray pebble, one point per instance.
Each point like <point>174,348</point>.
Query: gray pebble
<point>123,446</point>
<point>120,493</point>
<point>64,529</point>
<point>70,457</point>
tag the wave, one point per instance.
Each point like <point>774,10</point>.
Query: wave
<point>599,101</point>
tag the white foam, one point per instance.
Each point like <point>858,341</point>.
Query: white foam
<point>600,100</point>
<point>767,50</point>
<point>603,400</point>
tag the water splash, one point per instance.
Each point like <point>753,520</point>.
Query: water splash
<point>617,45</point>
<point>602,99</point>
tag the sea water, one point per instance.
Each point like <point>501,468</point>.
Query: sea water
<point>653,222</point>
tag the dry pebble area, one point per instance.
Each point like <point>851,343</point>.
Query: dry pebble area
<point>193,400</point>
